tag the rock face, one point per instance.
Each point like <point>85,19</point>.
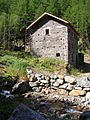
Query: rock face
<point>85,115</point>
<point>22,112</point>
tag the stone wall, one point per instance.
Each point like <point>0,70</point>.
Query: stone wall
<point>62,85</point>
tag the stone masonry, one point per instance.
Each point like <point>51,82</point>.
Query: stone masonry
<point>50,37</point>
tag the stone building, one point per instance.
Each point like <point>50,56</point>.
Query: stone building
<point>50,36</point>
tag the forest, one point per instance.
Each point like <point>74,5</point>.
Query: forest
<point>16,15</point>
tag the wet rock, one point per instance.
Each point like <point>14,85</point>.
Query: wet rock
<point>85,116</point>
<point>21,87</point>
<point>22,112</point>
<point>62,92</point>
<point>70,79</point>
<point>77,93</point>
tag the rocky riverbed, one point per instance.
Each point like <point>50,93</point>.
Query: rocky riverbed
<point>55,97</point>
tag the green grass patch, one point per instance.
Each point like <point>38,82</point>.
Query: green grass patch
<point>15,64</point>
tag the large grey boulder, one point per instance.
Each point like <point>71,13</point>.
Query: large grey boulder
<point>22,112</point>
<point>83,82</point>
<point>85,115</point>
<point>21,87</point>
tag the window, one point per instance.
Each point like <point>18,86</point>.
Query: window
<point>47,31</point>
<point>57,54</point>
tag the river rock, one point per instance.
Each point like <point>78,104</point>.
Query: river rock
<point>70,79</point>
<point>22,112</point>
<point>77,93</point>
<point>21,87</point>
<point>85,116</point>
<point>62,92</point>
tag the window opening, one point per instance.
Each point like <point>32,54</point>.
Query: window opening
<point>57,54</point>
<point>47,31</point>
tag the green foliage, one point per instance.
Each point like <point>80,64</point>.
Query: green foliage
<point>74,72</point>
<point>15,64</point>
<point>16,15</point>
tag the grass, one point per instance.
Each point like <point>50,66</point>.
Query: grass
<point>14,64</point>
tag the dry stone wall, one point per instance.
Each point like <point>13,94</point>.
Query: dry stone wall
<point>62,85</point>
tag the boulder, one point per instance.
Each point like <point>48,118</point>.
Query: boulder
<point>83,82</point>
<point>21,87</point>
<point>22,112</point>
<point>77,93</point>
<point>88,96</point>
<point>70,79</point>
<point>85,116</point>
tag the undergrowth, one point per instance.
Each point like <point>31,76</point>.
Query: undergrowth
<point>15,63</point>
